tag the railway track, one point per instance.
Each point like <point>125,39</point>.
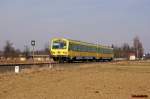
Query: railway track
<point>10,67</point>
<point>47,63</point>
<point>25,63</point>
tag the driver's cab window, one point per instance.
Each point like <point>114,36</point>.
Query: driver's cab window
<point>59,45</point>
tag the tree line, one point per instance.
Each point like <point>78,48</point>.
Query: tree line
<point>125,50</point>
<point>9,51</point>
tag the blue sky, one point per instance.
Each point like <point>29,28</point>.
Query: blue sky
<point>104,21</point>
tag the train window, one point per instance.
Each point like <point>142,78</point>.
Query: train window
<point>92,49</point>
<point>86,48</point>
<point>74,48</point>
<point>70,46</point>
<point>82,48</point>
<point>78,49</point>
<point>100,50</point>
<point>59,45</point>
<point>89,49</point>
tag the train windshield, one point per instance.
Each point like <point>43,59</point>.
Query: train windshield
<point>59,45</point>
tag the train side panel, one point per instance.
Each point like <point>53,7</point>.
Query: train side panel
<point>76,52</point>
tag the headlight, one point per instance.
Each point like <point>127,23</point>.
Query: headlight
<point>53,52</point>
<point>64,52</point>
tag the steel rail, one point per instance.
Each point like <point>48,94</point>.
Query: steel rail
<point>28,63</point>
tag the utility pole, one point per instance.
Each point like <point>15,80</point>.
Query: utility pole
<point>137,51</point>
<point>33,45</point>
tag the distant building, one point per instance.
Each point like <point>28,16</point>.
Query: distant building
<point>132,56</point>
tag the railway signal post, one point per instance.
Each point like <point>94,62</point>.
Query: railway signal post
<point>33,45</point>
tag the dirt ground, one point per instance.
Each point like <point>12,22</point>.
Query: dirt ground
<point>119,80</point>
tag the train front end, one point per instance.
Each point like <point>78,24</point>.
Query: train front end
<point>59,49</point>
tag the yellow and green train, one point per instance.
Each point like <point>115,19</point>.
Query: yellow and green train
<point>71,50</point>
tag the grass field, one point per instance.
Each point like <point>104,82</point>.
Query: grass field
<point>119,80</point>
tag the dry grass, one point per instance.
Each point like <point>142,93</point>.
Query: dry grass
<point>120,80</point>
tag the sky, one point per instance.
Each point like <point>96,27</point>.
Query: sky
<point>104,21</point>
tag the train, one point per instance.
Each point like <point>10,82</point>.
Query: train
<point>67,50</point>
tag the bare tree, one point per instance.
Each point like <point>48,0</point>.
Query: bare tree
<point>26,52</point>
<point>46,49</point>
<point>8,50</point>
<point>125,50</point>
<point>141,50</point>
<point>112,46</point>
<point>118,52</point>
<point>126,47</point>
<point>138,47</point>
